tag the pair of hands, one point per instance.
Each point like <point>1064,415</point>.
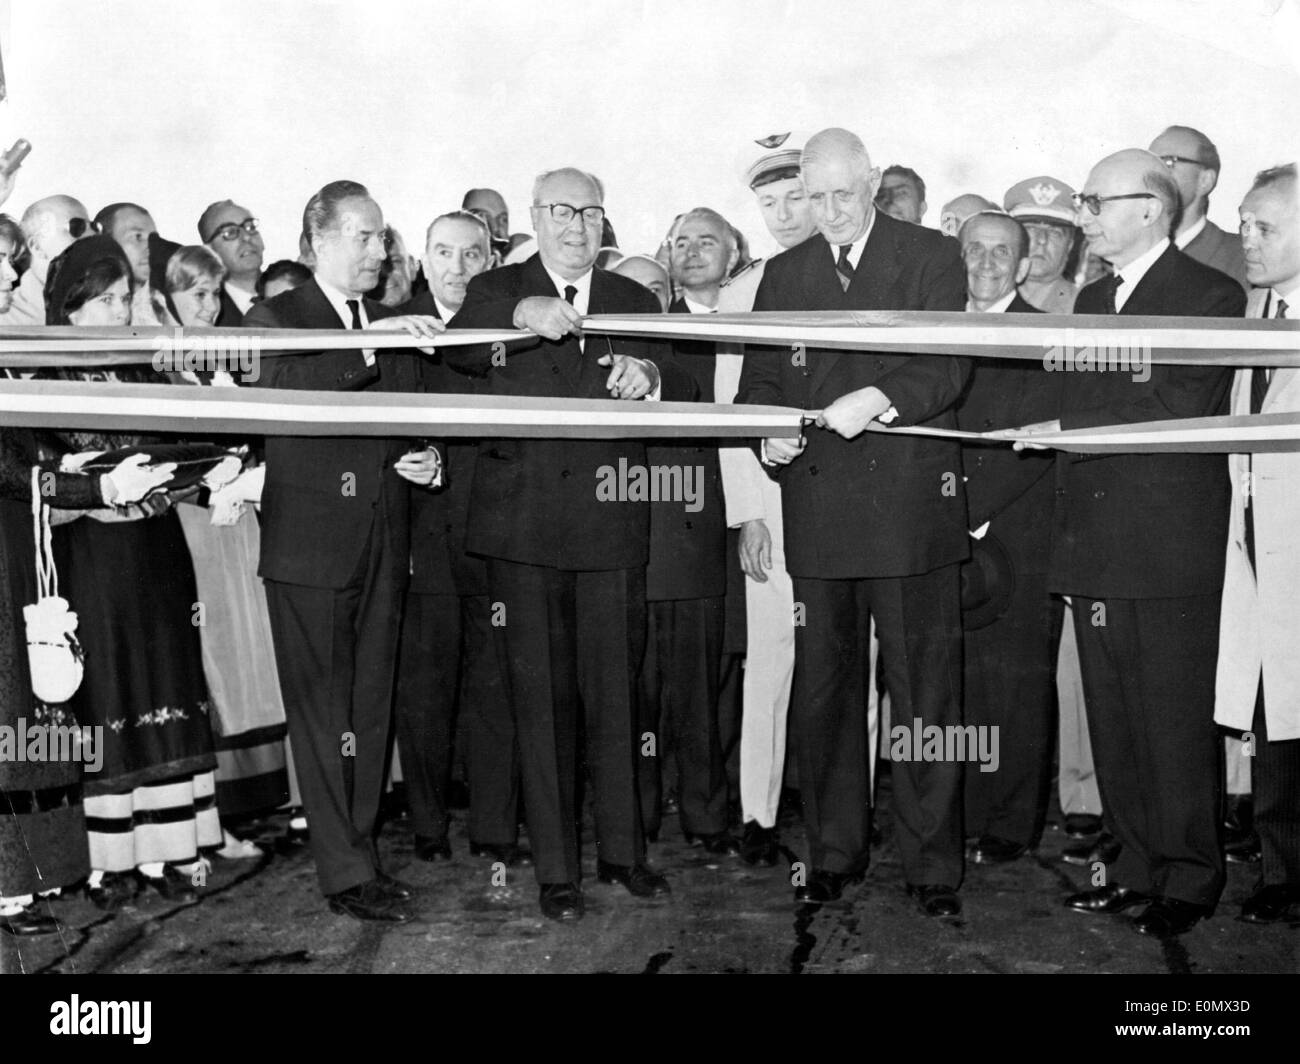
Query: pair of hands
<point>554,319</point>
<point>131,480</point>
<point>849,415</point>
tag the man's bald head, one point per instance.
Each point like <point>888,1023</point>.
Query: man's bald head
<point>956,211</point>
<point>47,225</point>
<point>836,145</point>
<point>648,273</point>
<point>841,185</point>
<point>1138,205</point>
<point>489,205</point>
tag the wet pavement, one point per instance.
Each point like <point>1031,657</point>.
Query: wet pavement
<point>723,916</point>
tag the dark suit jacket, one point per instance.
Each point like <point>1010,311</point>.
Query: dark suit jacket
<point>229,315</point>
<point>314,531</point>
<point>1220,250</point>
<point>439,564</point>
<point>1013,490</point>
<point>688,550</point>
<point>1146,526</point>
<point>877,505</point>
<point>535,501</point>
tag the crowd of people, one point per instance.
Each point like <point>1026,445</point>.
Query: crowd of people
<point>263,631</point>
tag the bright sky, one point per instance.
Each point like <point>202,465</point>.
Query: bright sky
<point>174,103</point>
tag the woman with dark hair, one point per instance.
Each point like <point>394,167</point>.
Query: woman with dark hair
<point>248,720</point>
<point>13,256</point>
<point>127,574</point>
<point>280,277</point>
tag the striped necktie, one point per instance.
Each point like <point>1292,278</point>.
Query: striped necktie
<point>844,267</point>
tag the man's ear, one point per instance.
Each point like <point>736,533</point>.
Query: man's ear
<point>732,259</point>
<point>1022,270</point>
<point>873,179</point>
<point>1206,179</point>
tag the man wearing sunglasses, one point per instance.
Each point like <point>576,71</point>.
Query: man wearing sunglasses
<point>1139,545</point>
<point>231,231</point>
<point>49,225</point>
<point>1193,163</point>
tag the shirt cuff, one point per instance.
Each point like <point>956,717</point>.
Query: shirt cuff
<point>655,393</point>
<point>888,416</point>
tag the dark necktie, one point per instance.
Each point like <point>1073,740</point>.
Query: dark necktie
<point>570,294</point>
<point>844,267</point>
<point>1108,286</point>
<point>1259,377</point>
<point>354,305</point>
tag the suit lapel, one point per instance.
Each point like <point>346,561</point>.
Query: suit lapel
<point>1149,295</point>
<point>566,356</point>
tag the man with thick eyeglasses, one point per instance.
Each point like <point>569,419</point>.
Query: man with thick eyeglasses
<point>231,231</point>
<point>1193,163</point>
<point>49,225</point>
<point>1138,545</point>
<point>567,563</point>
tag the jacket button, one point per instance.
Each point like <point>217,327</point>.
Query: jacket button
<point>1099,494</point>
<point>812,471</point>
<point>555,369</point>
<point>988,422</point>
<point>565,473</point>
<point>871,465</point>
<point>689,525</point>
<point>1060,493</point>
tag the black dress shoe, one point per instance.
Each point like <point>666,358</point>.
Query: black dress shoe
<point>369,901</point>
<point>1244,849</point>
<point>508,853</point>
<point>29,921</point>
<point>172,885</point>
<point>934,899</point>
<point>114,891</point>
<point>561,901</point>
<point>1104,851</point>
<point>823,886</point>
<point>1082,825</point>
<point>393,887</point>
<point>720,843</point>
<point>639,880</point>
<point>758,845</point>
<point>992,850</point>
<point>1271,904</point>
<point>1166,917</point>
<point>1109,899</point>
<point>427,849</point>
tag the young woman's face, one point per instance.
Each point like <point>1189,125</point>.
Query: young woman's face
<point>110,307</point>
<point>199,304</point>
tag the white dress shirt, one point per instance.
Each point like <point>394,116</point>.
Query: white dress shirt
<point>338,299</point>
<point>1000,307</point>
<point>1131,275</point>
<point>243,300</point>
<point>1190,233</point>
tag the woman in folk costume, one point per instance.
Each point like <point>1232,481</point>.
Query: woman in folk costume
<point>248,721</point>
<point>127,574</point>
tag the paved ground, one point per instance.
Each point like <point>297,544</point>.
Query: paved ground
<point>722,917</point>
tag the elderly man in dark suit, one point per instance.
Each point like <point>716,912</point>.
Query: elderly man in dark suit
<point>231,231</point>
<point>875,526</point>
<point>447,644</point>
<point>1010,655</point>
<point>1139,545</point>
<point>566,564</point>
<point>335,552</point>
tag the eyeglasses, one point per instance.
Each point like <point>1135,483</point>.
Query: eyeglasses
<point>1093,202</point>
<point>564,212</point>
<point>1172,160</point>
<point>230,231</point>
<point>79,227</point>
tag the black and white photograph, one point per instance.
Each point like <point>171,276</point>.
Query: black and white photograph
<point>816,494</point>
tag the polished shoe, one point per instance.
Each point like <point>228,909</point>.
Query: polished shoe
<point>1104,851</point>
<point>638,879</point>
<point>298,832</point>
<point>29,921</point>
<point>758,845</point>
<point>1082,825</point>
<point>823,886</point>
<point>393,887</point>
<point>1110,899</point>
<point>1271,904</point>
<point>561,901</point>
<point>115,890</point>
<point>508,853</point>
<point>992,850</point>
<point>427,849</point>
<point>934,899</point>
<point>1166,917</point>
<point>370,901</point>
<point>720,843</point>
<point>172,885</point>
<point>1244,849</point>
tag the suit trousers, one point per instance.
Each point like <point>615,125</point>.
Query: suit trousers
<point>336,652</point>
<point>572,645</point>
<point>1077,779</point>
<point>1277,801</point>
<point>919,624</point>
<point>449,659</point>
<point>680,687</point>
<point>1148,677</point>
<point>1009,685</point>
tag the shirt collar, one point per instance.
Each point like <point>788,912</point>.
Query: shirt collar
<point>1131,275</point>
<point>697,308</point>
<point>338,299</point>
<point>1190,233</point>
<point>999,307</point>
<point>444,312</point>
<point>855,249</point>
<point>242,299</point>
<point>582,284</point>
<point>1292,298</point>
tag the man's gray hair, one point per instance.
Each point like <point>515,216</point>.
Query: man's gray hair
<point>709,214</point>
<point>837,142</point>
<point>463,216</point>
<point>322,211</point>
<point>542,178</point>
<point>1165,188</point>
